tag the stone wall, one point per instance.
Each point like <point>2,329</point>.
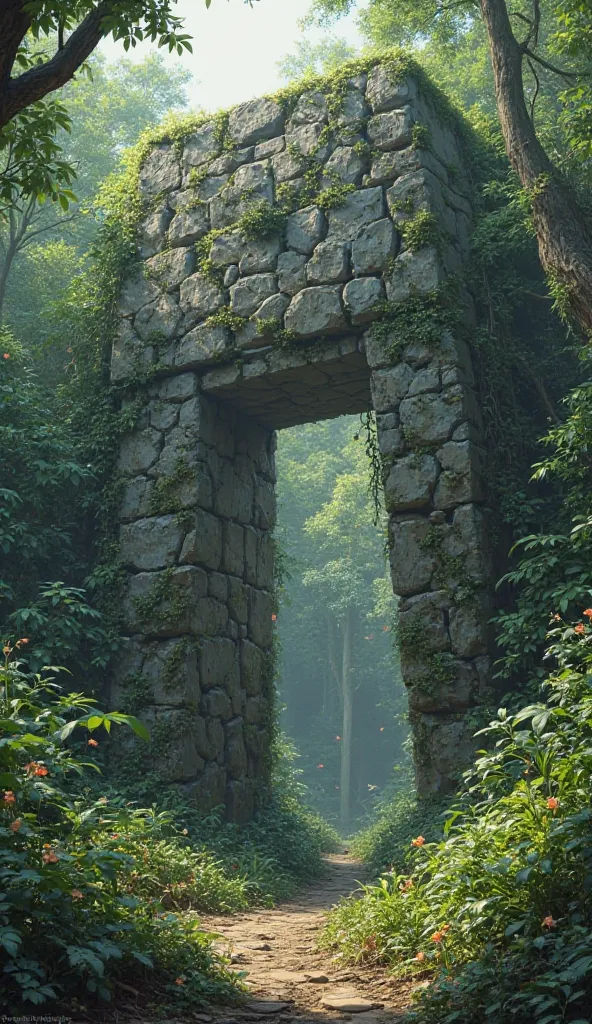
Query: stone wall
<point>239,336</point>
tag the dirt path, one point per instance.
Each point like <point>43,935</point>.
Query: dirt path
<point>290,979</point>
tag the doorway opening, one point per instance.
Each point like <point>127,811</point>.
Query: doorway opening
<point>342,698</point>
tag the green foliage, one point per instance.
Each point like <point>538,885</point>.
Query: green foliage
<point>397,818</point>
<point>261,220</point>
<point>420,231</point>
<point>87,891</point>
<point>506,887</point>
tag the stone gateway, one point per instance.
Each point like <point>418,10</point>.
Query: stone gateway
<point>283,255</point>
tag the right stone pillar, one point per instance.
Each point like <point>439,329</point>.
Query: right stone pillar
<point>430,439</point>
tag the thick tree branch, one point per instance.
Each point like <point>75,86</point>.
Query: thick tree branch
<point>569,75</point>
<point>41,79</point>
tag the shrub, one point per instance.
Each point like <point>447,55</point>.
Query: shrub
<point>77,912</point>
<point>500,910</point>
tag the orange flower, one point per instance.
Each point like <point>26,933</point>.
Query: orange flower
<point>549,922</point>
<point>552,803</point>
<point>274,618</point>
<point>406,885</point>
<point>93,743</point>
<point>588,613</point>
<point>320,766</point>
<point>103,800</point>
<point>50,857</point>
<point>580,628</point>
<point>437,936</point>
<point>34,768</point>
<point>15,825</point>
<point>418,842</point>
<point>9,797</point>
<point>6,355</point>
<point>420,956</point>
<point>23,640</point>
<point>76,894</point>
<point>179,981</point>
<point>556,618</point>
<point>445,928</point>
<point>6,650</point>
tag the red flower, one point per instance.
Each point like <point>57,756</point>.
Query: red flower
<point>549,922</point>
<point>552,803</point>
<point>9,797</point>
<point>418,842</point>
<point>179,981</point>
<point>6,355</point>
<point>92,743</point>
<point>580,628</point>
<point>15,825</point>
<point>588,613</point>
<point>50,857</point>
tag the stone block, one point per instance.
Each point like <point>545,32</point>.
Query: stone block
<point>226,249</point>
<point>412,563</point>
<point>287,166</point>
<point>216,704</point>
<point>240,800</point>
<point>159,321</point>
<point>389,386</point>
<point>233,551</point>
<point>218,664</point>
<point>248,293</point>
<point>363,297</point>
<point>414,273</point>
<point>209,187</point>
<point>358,210</point>
<point>375,247</point>
<point>152,543</point>
<point>260,625</point>
<point>200,297</point>
<point>422,621</point>
<point>256,710</point>
<point>430,418</point>
<point>190,223</point>
<point>385,92</point>
<point>152,231</point>
<point>467,540</point>
<point>353,108</point>
<point>311,107</point>
<point>411,483</point>
<point>162,415</point>
<point>463,476</point>
<point>469,630</point>
<point>233,493</point>
<point>306,139</point>
<point>139,450</point>
<point>346,165</point>
<point>177,388</point>
<point>391,130</point>
<point>270,148</point>
<point>161,171</point>
<point>265,578</point>
<point>264,505</point>
<point>202,345</point>
<point>200,148</point>
<point>260,256</point>
<point>168,269</point>
<point>315,311</point>
<point>237,600</point>
<point>425,380</point>
<point>329,264</point>
<point>209,791</point>
<point>165,603</point>
<point>255,121</point>
<point>170,671</point>
<point>236,755</point>
<point>253,667</point>
<point>135,501</point>
<point>443,746</point>
<point>291,272</point>
<point>129,353</point>
<point>138,290</point>
<point>305,229</point>
<point>250,555</point>
<point>203,543</point>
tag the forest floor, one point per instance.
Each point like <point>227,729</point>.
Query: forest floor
<point>290,980</point>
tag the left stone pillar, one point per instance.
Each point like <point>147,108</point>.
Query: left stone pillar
<point>197,510</point>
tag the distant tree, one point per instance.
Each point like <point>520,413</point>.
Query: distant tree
<point>318,58</point>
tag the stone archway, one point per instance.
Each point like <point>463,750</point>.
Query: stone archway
<point>277,330</point>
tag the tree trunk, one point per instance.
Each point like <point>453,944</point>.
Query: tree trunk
<point>565,241</point>
<point>347,694</point>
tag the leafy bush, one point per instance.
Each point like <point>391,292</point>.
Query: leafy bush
<point>80,909</point>
<point>398,818</point>
<point>507,891</point>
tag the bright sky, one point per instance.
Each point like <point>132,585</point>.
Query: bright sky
<point>235,47</point>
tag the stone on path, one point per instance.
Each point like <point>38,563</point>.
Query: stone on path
<point>293,977</point>
<point>268,1007</point>
<point>348,1002</point>
<point>318,979</point>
